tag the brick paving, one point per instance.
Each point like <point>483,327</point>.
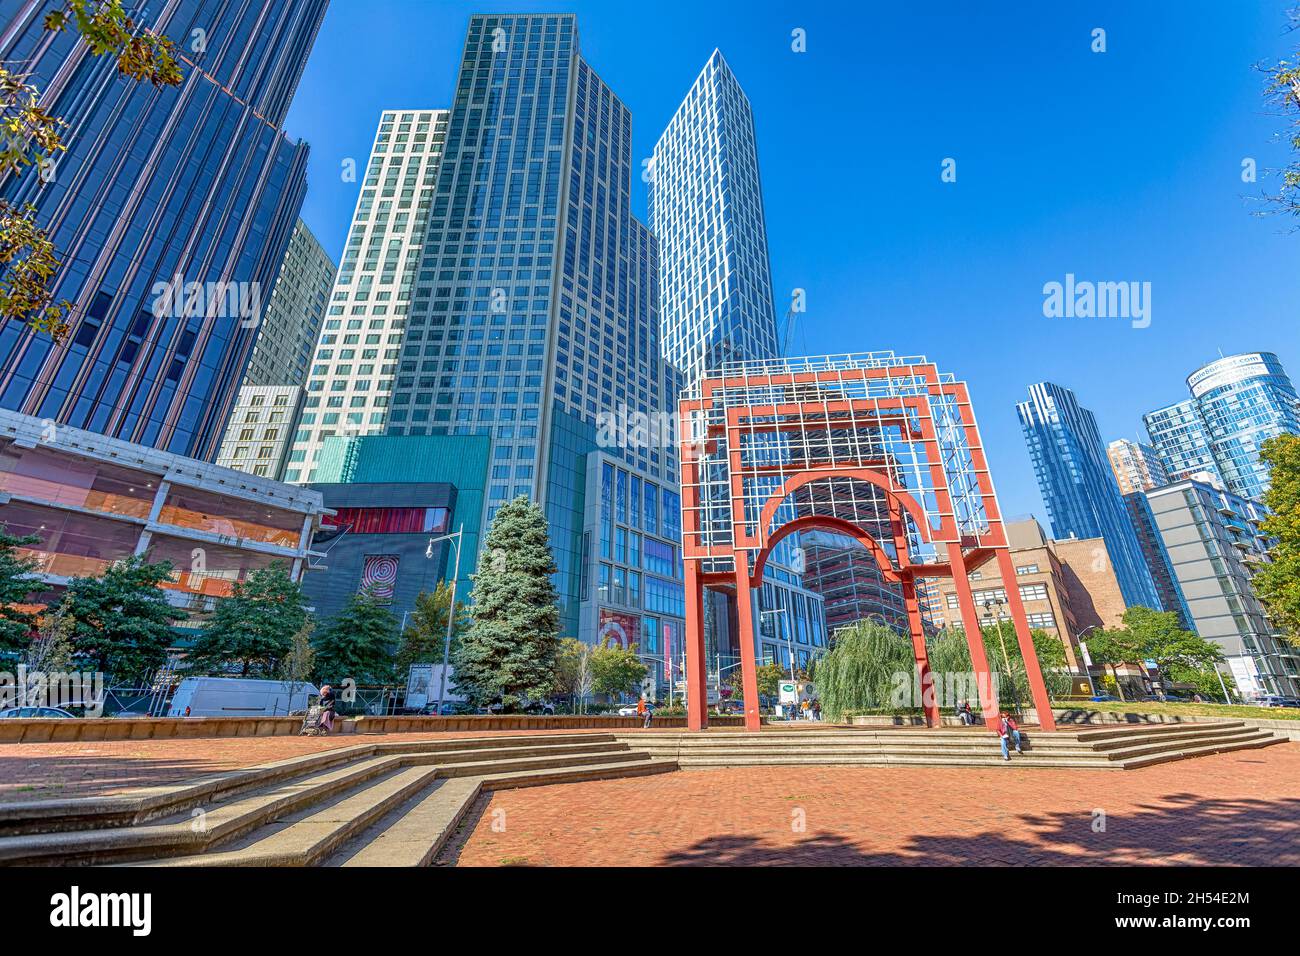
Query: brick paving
<point>1228,809</point>
<point>94,768</point>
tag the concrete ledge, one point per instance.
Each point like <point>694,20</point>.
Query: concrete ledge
<point>64,730</point>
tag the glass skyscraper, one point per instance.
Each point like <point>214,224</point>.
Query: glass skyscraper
<point>355,365</point>
<point>1237,403</point>
<point>1078,486</point>
<point>192,187</point>
<point>533,318</point>
<point>706,209</point>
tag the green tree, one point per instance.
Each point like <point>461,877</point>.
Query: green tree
<point>357,642</point>
<point>1111,648</point>
<point>423,640</point>
<point>254,627</point>
<point>28,259</point>
<point>123,623</point>
<point>16,586</point>
<point>509,649</point>
<point>1183,656</point>
<point>616,670</point>
<point>1278,583</point>
<point>574,677</point>
<point>296,667</point>
<point>1282,95</point>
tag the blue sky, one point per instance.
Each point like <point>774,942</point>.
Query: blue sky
<point>1116,166</point>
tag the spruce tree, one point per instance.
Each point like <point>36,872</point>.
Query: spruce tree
<point>510,647</point>
<point>357,643</point>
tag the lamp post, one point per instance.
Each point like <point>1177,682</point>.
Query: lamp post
<point>1087,669</point>
<point>997,622</point>
<point>458,535</point>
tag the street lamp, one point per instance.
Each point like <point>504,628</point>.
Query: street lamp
<point>458,535</point>
<point>997,622</point>
<point>1087,669</point>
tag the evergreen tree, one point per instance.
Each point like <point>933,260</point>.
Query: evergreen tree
<point>510,647</point>
<point>425,636</point>
<point>122,621</point>
<point>357,643</point>
<point>15,587</point>
<point>254,627</point>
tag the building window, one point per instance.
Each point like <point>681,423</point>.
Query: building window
<point>1033,592</point>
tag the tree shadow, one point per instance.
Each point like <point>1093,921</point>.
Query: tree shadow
<point>1184,830</point>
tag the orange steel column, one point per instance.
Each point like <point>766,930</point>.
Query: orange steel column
<point>697,698</point>
<point>1037,688</point>
<point>933,717</point>
<point>748,662</point>
<point>974,638</point>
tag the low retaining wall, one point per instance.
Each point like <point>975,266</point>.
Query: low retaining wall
<point>59,730</point>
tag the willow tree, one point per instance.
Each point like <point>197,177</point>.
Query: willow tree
<point>863,670</point>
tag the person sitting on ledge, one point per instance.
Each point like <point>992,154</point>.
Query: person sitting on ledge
<point>1007,729</point>
<point>965,714</point>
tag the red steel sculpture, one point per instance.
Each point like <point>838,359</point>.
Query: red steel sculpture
<point>876,446</point>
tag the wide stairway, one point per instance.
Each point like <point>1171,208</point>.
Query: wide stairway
<point>1102,748</point>
<point>389,803</point>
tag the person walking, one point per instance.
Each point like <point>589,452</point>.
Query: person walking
<point>817,710</point>
<point>1007,730</point>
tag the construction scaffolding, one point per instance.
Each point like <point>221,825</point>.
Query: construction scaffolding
<point>879,447</point>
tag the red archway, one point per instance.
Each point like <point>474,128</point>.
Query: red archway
<point>765,430</point>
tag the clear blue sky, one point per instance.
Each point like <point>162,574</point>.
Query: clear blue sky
<point>1124,165</point>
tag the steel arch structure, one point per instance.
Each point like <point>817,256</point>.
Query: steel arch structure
<point>880,447</point>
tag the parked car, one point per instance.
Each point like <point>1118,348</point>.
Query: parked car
<point>239,697</point>
<point>450,708</point>
<point>540,707</point>
<point>40,712</point>
<point>1275,700</point>
<point>1103,697</point>
<point>628,710</point>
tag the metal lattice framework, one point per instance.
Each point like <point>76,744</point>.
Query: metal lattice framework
<point>881,447</point>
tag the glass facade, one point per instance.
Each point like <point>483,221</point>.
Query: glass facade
<point>1078,485</point>
<point>716,303</point>
<point>1215,545</point>
<point>358,358</point>
<point>1237,404</point>
<point>283,351</point>
<point>168,239</point>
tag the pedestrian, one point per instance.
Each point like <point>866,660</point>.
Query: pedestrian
<point>327,708</point>
<point>817,710</point>
<point>640,709</point>
<point>1007,729</point>
<point>649,713</point>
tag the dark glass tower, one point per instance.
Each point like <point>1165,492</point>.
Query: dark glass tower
<point>194,186</point>
<point>1079,488</point>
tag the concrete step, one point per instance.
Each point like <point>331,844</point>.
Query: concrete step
<point>312,836</point>
<point>466,755</point>
<point>415,834</point>
<point>182,834</point>
<point>151,803</point>
<point>479,768</point>
<point>910,760</point>
<point>1189,752</point>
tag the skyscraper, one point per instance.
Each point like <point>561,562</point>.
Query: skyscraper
<point>171,211</point>
<point>350,382</point>
<point>706,208</point>
<point>1078,486</point>
<point>285,342</point>
<point>1237,403</point>
<point>716,305</point>
<point>534,319</point>
<point>1137,467</point>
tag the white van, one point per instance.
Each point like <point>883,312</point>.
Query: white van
<point>237,697</point>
